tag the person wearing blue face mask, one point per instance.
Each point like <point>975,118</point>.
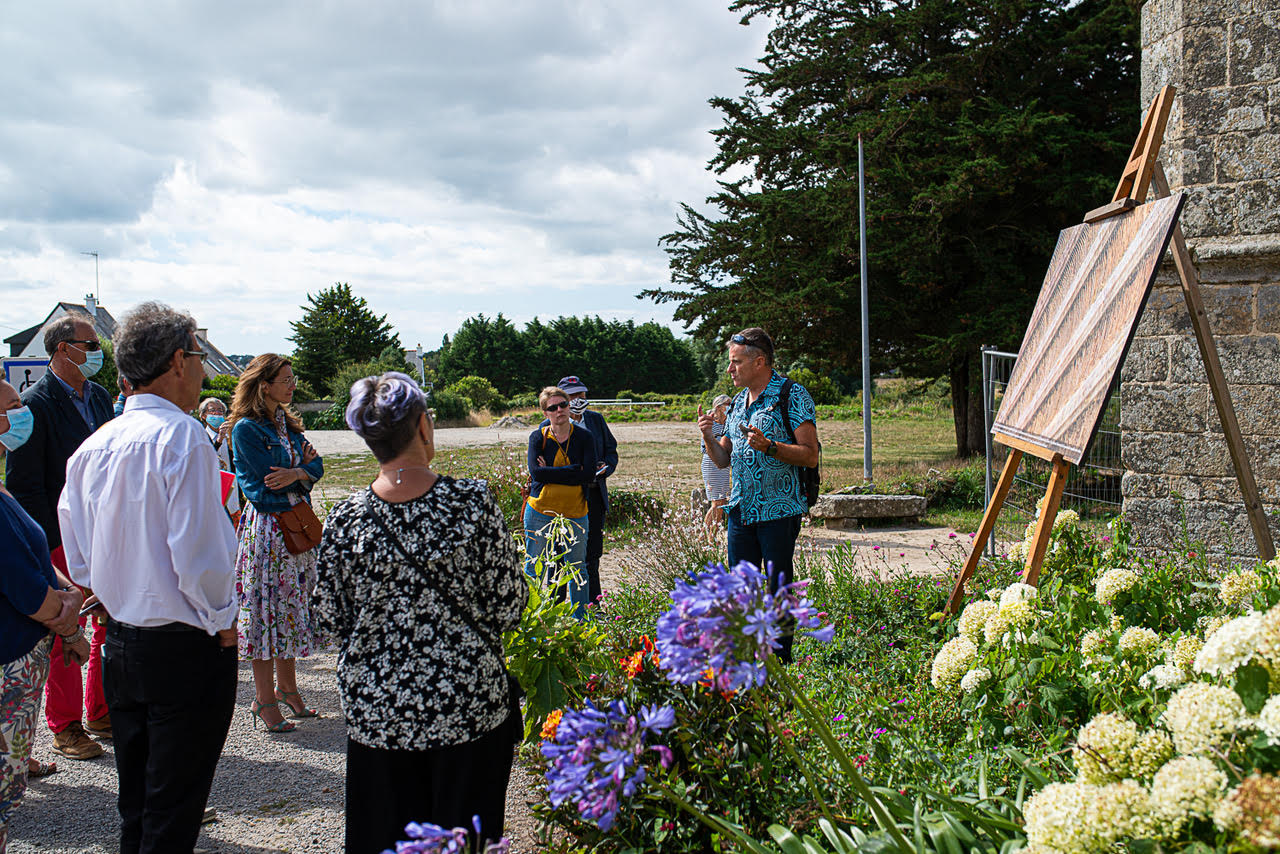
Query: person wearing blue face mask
<point>66,408</point>
<point>213,413</point>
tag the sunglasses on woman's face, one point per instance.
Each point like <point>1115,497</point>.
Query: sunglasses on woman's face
<point>556,406</point>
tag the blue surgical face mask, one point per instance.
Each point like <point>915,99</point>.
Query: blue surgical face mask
<point>21,422</point>
<point>216,421</point>
<point>92,363</point>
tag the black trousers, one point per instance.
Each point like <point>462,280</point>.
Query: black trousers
<point>387,789</point>
<point>771,546</point>
<point>171,692</point>
<point>595,539</point>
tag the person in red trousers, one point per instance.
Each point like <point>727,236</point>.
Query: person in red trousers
<point>67,407</point>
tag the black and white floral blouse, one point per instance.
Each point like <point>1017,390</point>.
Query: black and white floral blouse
<point>413,676</point>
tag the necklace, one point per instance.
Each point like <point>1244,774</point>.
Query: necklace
<point>400,472</point>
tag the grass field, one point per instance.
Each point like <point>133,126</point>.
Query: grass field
<point>904,449</point>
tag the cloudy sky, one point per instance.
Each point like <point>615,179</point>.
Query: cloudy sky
<point>445,158</point>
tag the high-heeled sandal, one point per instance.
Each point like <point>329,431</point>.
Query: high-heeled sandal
<point>279,727</point>
<point>283,697</point>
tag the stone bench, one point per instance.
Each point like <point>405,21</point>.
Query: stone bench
<point>851,511</point>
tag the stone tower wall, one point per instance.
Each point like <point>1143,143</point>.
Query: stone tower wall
<point>1222,146</point>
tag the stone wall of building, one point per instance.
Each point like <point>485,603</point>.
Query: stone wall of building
<point>1222,146</point>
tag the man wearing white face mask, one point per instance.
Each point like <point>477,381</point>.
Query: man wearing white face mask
<point>66,409</point>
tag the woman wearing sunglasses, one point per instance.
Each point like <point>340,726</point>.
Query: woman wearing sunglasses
<point>562,464</point>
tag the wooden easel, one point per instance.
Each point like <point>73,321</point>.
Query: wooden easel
<point>1141,170</point>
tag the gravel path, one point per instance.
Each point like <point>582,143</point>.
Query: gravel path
<point>346,442</point>
<point>273,793</point>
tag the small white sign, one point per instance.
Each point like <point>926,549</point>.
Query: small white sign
<point>22,374</point>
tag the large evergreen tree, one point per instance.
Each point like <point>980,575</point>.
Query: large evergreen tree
<point>337,328</point>
<point>988,126</point>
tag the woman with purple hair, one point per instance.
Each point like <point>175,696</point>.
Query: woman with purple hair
<point>419,578</point>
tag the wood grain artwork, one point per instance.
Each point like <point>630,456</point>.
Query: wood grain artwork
<point>1088,309</point>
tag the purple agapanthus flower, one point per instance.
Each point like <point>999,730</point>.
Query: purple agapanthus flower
<point>595,757</point>
<point>724,624</point>
<point>433,839</point>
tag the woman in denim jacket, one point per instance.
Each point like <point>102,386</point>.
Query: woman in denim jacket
<point>275,469</point>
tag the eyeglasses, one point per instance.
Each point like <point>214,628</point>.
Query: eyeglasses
<point>89,343</point>
<point>199,354</point>
<point>292,382</point>
<point>556,406</point>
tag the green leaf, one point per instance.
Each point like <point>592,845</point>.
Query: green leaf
<point>1251,684</point>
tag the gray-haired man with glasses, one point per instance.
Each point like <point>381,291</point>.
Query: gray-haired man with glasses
<point>765,453</point>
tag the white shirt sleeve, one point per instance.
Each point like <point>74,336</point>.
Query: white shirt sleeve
<point>72,549</point>
<point>197,536</point>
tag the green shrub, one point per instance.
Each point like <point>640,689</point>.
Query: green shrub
<point>479,391</point>
<point>449,406</point>
<point>223,382</point>
<point>822,389</point>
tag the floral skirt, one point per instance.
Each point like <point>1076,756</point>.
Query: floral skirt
<point>20,690</point>
<point>274,589</point>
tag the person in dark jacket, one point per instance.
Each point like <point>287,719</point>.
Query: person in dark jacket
<point>562,464</point>
<point>598,491</point>
<point>67,408</point>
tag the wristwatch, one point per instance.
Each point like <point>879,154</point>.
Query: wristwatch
<point>772,450</point>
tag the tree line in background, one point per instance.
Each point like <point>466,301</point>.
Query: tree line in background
<point>987,127</point>
<point>608,356</point>
<point>488,363</point>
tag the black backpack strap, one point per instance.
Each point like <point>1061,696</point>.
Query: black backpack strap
<point>784,408</point>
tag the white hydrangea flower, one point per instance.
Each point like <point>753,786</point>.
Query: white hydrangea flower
<point>1186,788</point>
<point>1209,625</point>
<point>1116,623</point>
<point>1162,677</point>
<point>1152,750</point>
<point>1269,636</point>
<point>1231,646</point>
<point>994,594</point>
<point>1065,519</point>
<point>1102,748</point>
<point>1139,642</point>
<point>1007,618</point>
<point>974,617</point>
<point>1269,717</point>
<point>1112,583</point>
<point>1201,716</point>
<point>952,662</point>
<point>1092,643</point>
<point>1018,592</point>
<point>1185,650</point>
<point>1250,810</point>
<point>1019,552</point>
<point>1075,818</point>
<point>1237,588</point>
<point>973,680</point>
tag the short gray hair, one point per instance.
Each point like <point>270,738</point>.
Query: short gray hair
<point>209,402</point>
<point>64,329</point>
<point>147,338</point>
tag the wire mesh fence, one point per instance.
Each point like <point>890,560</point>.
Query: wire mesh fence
<point>1093,488</point>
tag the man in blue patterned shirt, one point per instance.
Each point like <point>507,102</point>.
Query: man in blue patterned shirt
<point>765,457</point>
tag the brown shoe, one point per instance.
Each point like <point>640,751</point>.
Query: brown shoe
<point>100,727</point>
<point>74,744</point>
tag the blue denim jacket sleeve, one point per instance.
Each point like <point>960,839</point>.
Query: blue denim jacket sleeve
<point>257,449</point>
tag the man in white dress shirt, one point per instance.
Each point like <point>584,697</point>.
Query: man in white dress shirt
<point>143,527</point>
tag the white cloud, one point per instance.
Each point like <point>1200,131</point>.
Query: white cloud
<point>445,159</point>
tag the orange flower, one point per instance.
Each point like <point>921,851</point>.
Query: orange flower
<point>632,664</point>
<point>553,721</point>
